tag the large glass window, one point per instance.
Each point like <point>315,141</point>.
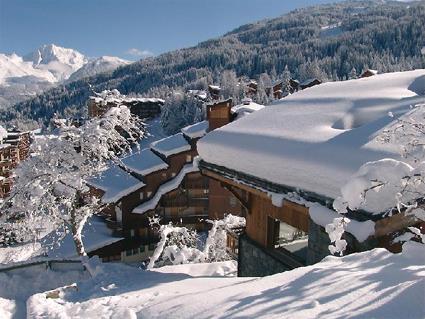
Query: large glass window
<point>283,236</point>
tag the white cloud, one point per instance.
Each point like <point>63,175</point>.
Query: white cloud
<point>139,53</point>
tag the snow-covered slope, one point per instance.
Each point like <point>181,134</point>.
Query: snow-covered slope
<point>316,139</point>
<point>373,284</point>
<point>23,77</point>
<point>98,65</point>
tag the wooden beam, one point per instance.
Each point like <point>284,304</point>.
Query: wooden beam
<point>235,184</point>
<point>238,197</point>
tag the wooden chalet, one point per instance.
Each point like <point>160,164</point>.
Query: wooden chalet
<point>214,91</point>
<point>276,90</point>
<point>309,83</point>
<point>286,183</point>
<point>141,107</point>
<point>162,180</point>
<point>368,73</point>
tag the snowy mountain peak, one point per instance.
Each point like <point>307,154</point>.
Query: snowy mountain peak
<point>22,77</point>
<point>50,52</point>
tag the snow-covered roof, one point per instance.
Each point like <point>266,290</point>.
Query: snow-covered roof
<point>308,81</point>
<point>171,145</point>
<point>316,139</point>
<point>114,96</point>
<point>144,162</point>
<point>374,72</point>
<point>196,130</point>
<point>116,183</point>
<point>214,87</point>
<point>247,107</point>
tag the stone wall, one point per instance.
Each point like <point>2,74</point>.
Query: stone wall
<point>254,261</point>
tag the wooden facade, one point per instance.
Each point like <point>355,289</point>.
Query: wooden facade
<point>14,149</point>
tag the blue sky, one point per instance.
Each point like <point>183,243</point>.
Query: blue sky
<point>128,28</point>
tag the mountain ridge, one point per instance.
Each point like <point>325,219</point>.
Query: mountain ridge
<point>25,76</point>
<point>384,36</point>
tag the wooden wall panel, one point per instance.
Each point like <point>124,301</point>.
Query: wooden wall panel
<point>260,208</point>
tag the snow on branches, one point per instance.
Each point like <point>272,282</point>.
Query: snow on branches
<point>388,186</point>
<point>180,245</point>
<point>50,191</point>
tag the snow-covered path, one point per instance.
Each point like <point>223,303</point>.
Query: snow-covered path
<point>374,284</point>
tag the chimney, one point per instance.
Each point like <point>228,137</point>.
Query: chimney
<point>218,114</point>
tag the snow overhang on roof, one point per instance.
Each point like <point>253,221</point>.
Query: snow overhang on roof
<point>171,145</point>
<point>116,183</point>
<point>144,162</point>
<point>315,140</point>
<point>196,130</point>
<point>245,107</point>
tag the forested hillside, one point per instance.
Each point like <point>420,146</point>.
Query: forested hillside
<point>330,42</point>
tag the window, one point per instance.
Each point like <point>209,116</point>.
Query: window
<point>206,191</point>
<point>233,201</point>
<point>287,237</point>
<point>188,158</point>
<point>142,248</point>
<point>164,175</point>
<point>131,232</point>
<point>173,174</point>
<point>141,195</point>
<point>149,194</point>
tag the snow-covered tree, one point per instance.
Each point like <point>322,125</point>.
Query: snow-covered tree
<point>50,189</point>
<point>353,74</point>
<point>388,186</point>
<point>179,111</point>
<point>264,82</point>
<point>180,245</point>
<point>231,86</point>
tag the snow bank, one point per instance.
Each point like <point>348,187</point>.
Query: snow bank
<point>219,269</point>
<point>373,284</point>
<point>315,139</point>
<point>17,287</point>
<point>164,189</point>
<point>171,145</point>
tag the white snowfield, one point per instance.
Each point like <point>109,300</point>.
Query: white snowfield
<point>373,284</point>
<point>316,139</point>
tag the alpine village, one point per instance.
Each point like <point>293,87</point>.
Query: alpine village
<point>275,171</point>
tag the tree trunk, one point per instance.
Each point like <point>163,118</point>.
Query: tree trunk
<point>76,235</point>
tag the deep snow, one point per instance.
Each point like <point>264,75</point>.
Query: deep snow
<point>316,139</point>
<point>373,284</point>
